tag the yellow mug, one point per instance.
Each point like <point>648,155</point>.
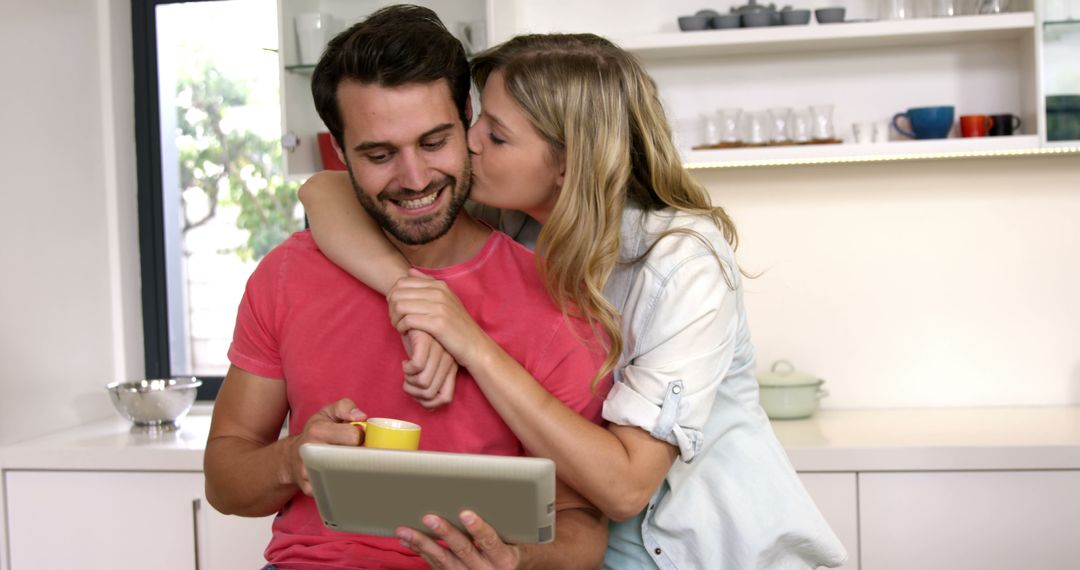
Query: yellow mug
<point>387,433</point>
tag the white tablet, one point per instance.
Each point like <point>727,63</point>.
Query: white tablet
<point>374,491</point>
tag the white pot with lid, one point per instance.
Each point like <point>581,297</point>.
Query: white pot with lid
<point>788,394</point>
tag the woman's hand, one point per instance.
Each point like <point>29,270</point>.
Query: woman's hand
<point>430,372</point>
<point>419,302</point>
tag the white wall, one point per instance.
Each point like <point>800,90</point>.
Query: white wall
<point>69,299</point>
<point>945,283</point>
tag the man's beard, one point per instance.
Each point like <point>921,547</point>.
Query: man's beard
<point>422,230</point>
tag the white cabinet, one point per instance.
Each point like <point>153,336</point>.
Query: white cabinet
<point>869,70</point>
<point>109,520</point>
<point>836,496</point>
<point>987,520</point>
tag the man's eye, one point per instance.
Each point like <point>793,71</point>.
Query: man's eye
<point>435,145</point>
<point>378,158</point>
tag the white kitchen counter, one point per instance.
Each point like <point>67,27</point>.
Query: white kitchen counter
<point>842,440</point>
<point>934,439</point>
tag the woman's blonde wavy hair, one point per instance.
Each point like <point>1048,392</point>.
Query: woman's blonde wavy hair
<point>601,112</point>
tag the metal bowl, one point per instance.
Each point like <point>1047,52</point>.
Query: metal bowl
<point>154,405</point>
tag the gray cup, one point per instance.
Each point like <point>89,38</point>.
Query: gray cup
<point>726,21</point>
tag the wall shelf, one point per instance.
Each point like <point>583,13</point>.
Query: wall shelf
<point>302,69</point>
<point>1021,145</point>
<point>825,37</point>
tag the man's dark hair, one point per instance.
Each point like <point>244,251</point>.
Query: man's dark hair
<point>396,45</point>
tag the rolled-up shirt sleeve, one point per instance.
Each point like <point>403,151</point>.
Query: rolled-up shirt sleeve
<point>683,329</point>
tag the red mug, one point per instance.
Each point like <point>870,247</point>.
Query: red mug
<point>975,125</point>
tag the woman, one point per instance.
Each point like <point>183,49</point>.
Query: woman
<point>572,133</point>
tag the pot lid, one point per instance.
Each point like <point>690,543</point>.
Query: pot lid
<point>783,373</point>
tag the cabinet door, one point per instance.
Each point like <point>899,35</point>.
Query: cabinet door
<point>112,520</point>
<point>836,497</point>
<point>105,520</point>
<point>231,542</point>
<point>987,520</point>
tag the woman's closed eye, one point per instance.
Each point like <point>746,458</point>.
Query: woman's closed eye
<point>495,139</point>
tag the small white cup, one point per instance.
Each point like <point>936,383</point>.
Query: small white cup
<point>881,132</point>
<point>312,35</point>
<point>864,132</point>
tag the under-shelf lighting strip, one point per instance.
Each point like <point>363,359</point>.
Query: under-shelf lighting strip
<point>885,158</point>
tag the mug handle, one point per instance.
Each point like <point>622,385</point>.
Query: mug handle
<point>896,125</point>
<point>989,124</point>
<point>1016,123</point>
<point>821,393</point>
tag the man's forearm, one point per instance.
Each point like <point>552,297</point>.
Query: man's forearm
<point>247,478</point>
<point>580,541</point>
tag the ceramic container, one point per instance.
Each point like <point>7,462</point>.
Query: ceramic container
<point>829,15</point>
<point>726,21</point>
<point>788,394</point>
<point>1063,117</point>
<point>693,23</point>
<point>795,17</point>
<point>756,19</point>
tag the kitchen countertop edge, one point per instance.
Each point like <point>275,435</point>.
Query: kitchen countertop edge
<point>832,441</point>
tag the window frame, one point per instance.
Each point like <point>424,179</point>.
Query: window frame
<point>152,254</point>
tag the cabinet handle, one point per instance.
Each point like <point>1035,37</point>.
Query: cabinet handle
<point>196,504</point>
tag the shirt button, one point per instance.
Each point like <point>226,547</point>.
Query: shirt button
<point>676,389</point>
<point>657,551</point>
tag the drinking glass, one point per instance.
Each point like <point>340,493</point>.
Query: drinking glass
<point>799,125</point>
<point>897,9</point>
<point>777,127</point>
<point>942,8</point>
<point>729,124</point>
<point>710,129</point>
<point>752,125</point>
<point>822,127</point>
<point>993,6</point>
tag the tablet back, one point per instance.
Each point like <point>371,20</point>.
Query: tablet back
<point>374,491</point>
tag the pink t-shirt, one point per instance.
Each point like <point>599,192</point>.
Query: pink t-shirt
<point>305,320</point>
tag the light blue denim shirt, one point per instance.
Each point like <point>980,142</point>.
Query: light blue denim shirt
<point>686,375</point>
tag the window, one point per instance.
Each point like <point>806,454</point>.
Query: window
<point>212,196</point>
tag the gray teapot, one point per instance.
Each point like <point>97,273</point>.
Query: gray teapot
<point>754,14</point>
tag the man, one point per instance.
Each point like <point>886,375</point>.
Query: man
<point>310,340</point>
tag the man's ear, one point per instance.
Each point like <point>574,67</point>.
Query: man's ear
<point>468,112</point>
<point>337,149</point>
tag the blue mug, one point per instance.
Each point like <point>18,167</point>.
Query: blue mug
<point>926,122</point>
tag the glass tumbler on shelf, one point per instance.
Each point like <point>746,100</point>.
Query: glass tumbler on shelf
<point>710,130</point>
<point>944,8</point>
<point>799,126</point>
<point>752,128</point>
<point>992,6</point>
<point>822,125</point>
<point>897,9</point>
<point>777,126</point>
<point>728,121</point>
